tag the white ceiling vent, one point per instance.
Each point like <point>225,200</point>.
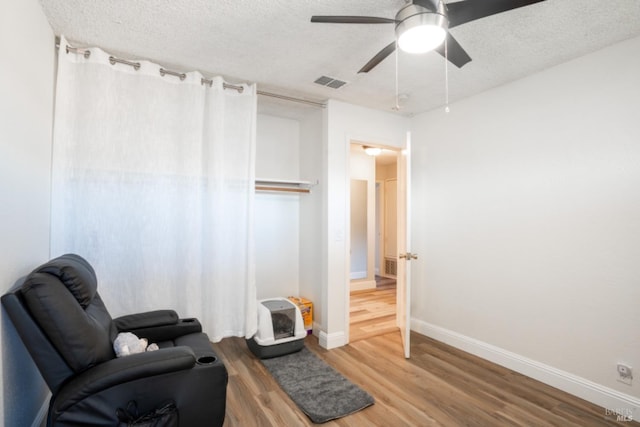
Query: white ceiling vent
<point>330,82</point>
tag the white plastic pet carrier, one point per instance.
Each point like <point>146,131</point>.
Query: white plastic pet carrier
<point>280,329</point>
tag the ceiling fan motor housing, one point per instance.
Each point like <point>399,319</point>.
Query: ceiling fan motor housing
<point>417,18</point>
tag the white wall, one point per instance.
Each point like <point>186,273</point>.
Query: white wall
<point>527,222</point>
<point>312,131</point>
<point>362,206</point>
<point>277,214</point>
<point>358,242</point>
<point>345,123</point>
<point>26,111</point>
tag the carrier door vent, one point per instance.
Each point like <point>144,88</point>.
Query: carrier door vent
<point>282,318</point>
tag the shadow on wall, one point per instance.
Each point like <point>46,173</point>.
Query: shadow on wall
<point>24,389</point>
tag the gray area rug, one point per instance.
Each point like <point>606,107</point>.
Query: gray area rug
<point>320,391</point>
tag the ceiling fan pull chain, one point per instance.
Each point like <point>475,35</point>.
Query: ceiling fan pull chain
<point>397,107</point>
<point>446,76</point>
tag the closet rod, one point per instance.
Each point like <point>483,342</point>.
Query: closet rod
<point>204,81</point>
<point>282,185</point>
<point>285,189</point>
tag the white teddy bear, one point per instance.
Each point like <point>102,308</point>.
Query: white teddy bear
<point>127,343</point>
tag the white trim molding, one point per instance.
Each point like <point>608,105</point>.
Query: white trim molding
<point>329,341</point>
<point>598,394</point>
<point>358,275</point>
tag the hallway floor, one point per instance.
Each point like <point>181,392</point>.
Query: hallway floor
<point>372,312</point>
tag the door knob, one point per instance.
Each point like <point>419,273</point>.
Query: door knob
<point>408,256</point>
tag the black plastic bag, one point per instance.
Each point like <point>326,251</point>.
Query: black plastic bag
<point>165,415</point>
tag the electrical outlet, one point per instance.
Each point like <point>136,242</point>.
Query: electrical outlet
<point>625,373</point>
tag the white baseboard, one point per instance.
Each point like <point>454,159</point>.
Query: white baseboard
<point>330,341</point>
<point>358,275</point>
<point>600,395</point>
<point>41,417</point>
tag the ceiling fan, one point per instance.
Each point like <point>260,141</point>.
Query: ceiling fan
<point>423,26</point>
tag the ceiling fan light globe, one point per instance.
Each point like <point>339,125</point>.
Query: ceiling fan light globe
<point>421,33</point>
<point>421,39</point>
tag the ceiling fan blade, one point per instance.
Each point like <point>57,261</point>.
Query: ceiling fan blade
<point>455,53</point>
<point>431,5</point>
<point>352,20</point>
<point>470,10</point>
<point>380,56</point>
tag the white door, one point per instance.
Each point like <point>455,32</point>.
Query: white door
<point>403,280</point>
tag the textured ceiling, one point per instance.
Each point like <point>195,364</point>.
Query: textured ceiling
<point>272,43</point>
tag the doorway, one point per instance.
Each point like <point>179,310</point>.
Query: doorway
<point>373,242</point>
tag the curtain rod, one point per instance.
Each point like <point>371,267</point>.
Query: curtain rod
<point>136,65</point>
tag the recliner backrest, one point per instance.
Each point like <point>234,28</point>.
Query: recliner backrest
<point>52,366</point>
<point>62,298</point>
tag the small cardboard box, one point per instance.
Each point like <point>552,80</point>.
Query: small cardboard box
<point>306,308</point>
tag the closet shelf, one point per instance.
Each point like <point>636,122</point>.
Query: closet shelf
<point>284,186</point>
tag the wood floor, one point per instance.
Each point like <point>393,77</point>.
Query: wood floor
<point>438,386</point>
<point>373,311</point>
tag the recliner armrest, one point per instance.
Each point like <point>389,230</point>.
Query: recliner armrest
<point>157,326</point>
<point>146,320</point>
<point>124,369</point>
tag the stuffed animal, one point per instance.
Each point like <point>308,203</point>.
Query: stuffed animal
<point>127,343</point>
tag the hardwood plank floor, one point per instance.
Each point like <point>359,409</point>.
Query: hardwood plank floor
<point>373,311</point>
<point>438,386</point>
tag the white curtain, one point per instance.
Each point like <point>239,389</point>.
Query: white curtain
<point>153,184</point>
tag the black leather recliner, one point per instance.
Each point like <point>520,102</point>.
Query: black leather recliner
<point>68,331</point>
